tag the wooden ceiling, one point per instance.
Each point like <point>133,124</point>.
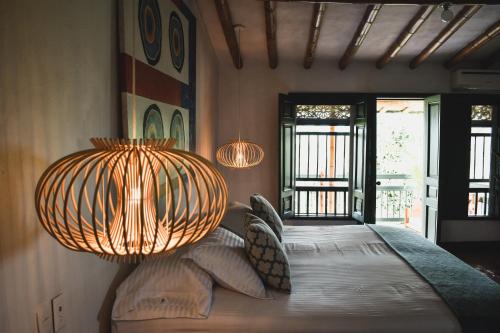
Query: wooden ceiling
<point>407,30</point>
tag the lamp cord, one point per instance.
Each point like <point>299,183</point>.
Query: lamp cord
<point>134,101</point>
<point>238,83</point>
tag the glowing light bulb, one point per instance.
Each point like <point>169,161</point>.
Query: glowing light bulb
<point>240,158</point>
<point>135,194</point>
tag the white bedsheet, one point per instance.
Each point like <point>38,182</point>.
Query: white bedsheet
<point>344,279</point>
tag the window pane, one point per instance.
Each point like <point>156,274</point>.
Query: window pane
<point>480,160</point>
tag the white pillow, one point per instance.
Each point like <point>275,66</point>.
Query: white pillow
<point>222,254</point>
<point>167,287</point>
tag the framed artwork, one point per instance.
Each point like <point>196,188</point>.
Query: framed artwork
<point>161,36</point>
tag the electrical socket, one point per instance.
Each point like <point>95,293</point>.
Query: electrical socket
<point>58,308</point>
<point>43,318</point>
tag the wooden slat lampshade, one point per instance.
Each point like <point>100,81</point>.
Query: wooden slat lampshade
<point>126,200</point>
<point>240,154</point>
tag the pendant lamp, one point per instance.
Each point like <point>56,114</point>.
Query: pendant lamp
<point>129,199</point>
<point>239,153</point>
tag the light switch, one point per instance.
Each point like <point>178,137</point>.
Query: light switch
<point>58,308</point>
<point>43,318</point>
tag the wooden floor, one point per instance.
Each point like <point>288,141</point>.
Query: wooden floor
<point>484,257</point>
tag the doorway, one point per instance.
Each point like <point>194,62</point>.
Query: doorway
<point>400,163</point>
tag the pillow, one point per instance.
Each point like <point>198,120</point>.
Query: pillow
<point>263,209</point>
<point>267,255</point>
<point>235,218</point>
<point>166,287</point>
<point>222,255</point>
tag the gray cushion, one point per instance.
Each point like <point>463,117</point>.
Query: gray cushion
<point>234,219</point>
<point>263,209</point>
<point>266,254</point>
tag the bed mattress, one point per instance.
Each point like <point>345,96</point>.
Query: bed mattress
<point>344,279</point>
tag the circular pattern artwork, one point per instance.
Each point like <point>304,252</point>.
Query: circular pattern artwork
<point>150,28</point>
<point>177,130</point>
<point>153,123</point>
<point>176,37</point>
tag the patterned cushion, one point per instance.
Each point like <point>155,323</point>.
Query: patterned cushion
<point>267,255</point>
<point>263,209</point>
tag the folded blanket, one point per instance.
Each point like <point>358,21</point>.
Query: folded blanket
<point>472,296</point>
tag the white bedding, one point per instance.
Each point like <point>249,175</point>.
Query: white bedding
<point>344,279</point>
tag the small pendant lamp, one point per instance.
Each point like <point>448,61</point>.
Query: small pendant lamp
<point>128,199</point>
<point>239,153</point>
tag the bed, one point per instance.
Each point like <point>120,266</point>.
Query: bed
<point>345,279</point>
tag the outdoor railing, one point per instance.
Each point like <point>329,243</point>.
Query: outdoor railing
<point>394,202</point>
<point>321,201</point>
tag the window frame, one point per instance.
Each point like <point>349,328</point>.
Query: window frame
<point>493,125</point>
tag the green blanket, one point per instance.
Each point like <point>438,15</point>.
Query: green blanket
<point>472,296</point>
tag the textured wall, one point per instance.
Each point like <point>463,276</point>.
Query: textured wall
<point>259,91</point>
<point>207,75</point>
<point>58,88</point>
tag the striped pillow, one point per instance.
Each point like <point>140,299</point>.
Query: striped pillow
<point>266,254</point>
<point>263,209</point>
<point>222,255</point>
<point>166,287</point>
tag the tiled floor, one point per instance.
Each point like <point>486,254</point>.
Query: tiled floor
<point>485,258</point>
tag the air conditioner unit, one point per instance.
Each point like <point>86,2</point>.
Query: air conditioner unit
<point>475,79</point>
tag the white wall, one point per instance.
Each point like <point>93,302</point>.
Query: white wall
<point>470,231</point>
<point>58,88</point>
<point>207,76</point>
<point>260,87</point>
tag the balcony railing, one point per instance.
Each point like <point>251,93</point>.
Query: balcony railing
<point>321,201</point>
<point>322,171</point>
<point>395,200</point>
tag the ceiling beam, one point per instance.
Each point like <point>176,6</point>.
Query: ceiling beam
<point>476,44</point>
<point>491,60</point>
<point>411,28</point>
<point>271,27</point>
<point>314,31</point>
<point>226,22</point>
<point>398,2</point>
<point>357,40</point>
<point>463,16</point>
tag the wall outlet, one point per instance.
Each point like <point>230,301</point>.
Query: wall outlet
<point>58,308</point>
<point>43,318</point>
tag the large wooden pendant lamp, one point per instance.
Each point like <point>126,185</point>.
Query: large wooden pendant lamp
<point>128,199</point>
<point>239,153</point>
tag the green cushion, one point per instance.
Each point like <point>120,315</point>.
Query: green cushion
<point>266,254</point>
<point>263,209</point>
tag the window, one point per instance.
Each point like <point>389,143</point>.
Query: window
<point>480,160</point>
<point>322,160</point>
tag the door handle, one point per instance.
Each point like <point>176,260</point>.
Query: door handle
<point>378,183</point>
